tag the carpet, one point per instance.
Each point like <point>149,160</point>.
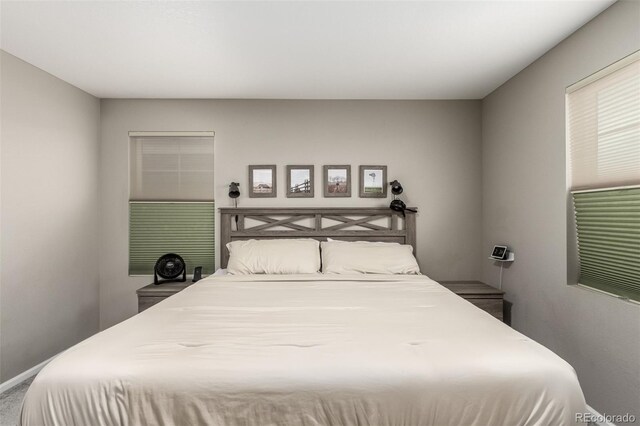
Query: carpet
<point>11,402</point>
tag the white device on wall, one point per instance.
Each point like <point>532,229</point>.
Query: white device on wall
<point>502,254</point>
<point>499,252</point>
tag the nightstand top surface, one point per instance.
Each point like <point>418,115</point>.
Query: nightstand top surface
<point>163,289</point>
<point>470,287</point>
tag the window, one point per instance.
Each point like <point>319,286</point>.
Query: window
<point>603,118</point>
<point>171,201</point>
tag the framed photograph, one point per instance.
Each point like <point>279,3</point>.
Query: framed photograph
<point>337,181</point>
<point>262,181</point>
<point>300,182</point>
<point>373,182</point>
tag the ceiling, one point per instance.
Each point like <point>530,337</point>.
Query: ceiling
<point>288,50</point>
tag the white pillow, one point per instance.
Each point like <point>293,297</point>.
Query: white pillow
<point>284,256</point>
<point>363,257</point>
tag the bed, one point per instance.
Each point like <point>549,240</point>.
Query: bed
<point>312,349</point>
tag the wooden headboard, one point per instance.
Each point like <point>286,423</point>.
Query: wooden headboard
<point>354,224</point>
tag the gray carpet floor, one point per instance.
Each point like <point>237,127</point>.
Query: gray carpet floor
<point>10,403</point>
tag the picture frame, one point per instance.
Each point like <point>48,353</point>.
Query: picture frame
<point>263,181</point>
<point>336,180</point>
<point>373,182</point>
<point>300,182</point>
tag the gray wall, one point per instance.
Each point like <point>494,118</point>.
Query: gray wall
<point>524,205</point>
<point>432,147</point>
<point>49,216</point>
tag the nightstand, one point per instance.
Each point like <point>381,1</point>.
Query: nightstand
<point>151,294</point>
<point>483,296</point>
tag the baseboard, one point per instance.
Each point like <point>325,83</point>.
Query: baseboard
<point>24,375</point>
<point>599,416</point>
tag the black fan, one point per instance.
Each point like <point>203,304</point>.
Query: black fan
<point>170,267</point>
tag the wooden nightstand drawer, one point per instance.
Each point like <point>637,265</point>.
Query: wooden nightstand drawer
<point>485,297</point>
<point>151,294</point>
<point>493,306</point>
<point>145,302</point>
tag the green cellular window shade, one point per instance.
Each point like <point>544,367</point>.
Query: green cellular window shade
<point>608,225</point>
<point>184,228</point>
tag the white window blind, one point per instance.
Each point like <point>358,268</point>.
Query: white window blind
<point>603,118</point>
<point>172,167</point>
<point>604,128</point>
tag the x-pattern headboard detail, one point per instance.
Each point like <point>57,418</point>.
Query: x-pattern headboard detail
<point>353,224</point>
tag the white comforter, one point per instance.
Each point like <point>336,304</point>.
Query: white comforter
<point>307,350</point>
